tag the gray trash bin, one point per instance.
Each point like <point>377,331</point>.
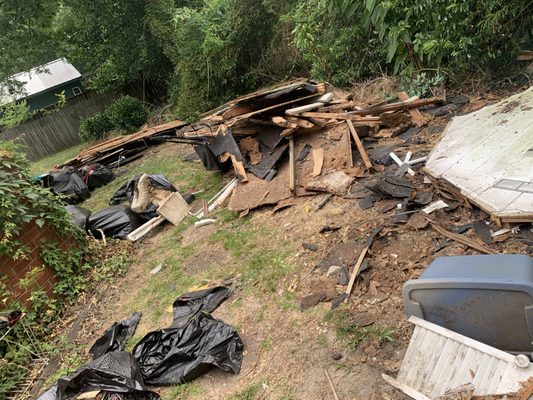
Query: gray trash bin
<point>488,298</point>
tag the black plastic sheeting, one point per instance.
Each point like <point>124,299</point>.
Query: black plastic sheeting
<point>125,192</point>
<point>115,336</point>
<point>96,175</point>
<point>78,215</point>
<point>209,160</point>
<point>116,221</point>
<point>116,374</point>
<point>193,344</point>
<point>68,183</point>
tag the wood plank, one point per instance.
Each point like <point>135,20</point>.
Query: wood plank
<point>525,55</point>
<point>360,146</point>
<point>416,395</point>
<point>145,228</point>
<point>292,165</point>
<point>462,239</point>
<point>318,161</point>
<point>418,118</point>
<point>238,166</point>
<point>370,121</point>
<point>398,106</point>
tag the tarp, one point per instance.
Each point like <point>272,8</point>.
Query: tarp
<point>96,175</point>
<point>68,183</point>
<point>125,192</point>
<point>193,344</point>
<point>115,373</point>
<point>78,215</point>
<point>115,336</point>
<point>116,221</point>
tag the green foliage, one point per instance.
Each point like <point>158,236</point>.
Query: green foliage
<point>22,202</point>
<point>126,114</point>
<point>14,114</point>
<point>61,99</point>
<point>95,127</point>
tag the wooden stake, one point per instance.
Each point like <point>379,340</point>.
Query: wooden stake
<point>292,165</point>
<point>205,208</point>
<point>335,395</point>
<point>360,146</point>
<point>357,266</point>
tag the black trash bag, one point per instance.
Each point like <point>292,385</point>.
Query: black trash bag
<point>195,342</point>
<point>125,192</point>
<point>115,336</point>
<point>116,221</point>
<point>78,215</point>
<point>68,183</point>
<point>96,175</point>
<point>189,304</point>
<point>117,374</point>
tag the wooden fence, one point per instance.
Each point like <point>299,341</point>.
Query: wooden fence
<point>57,131</point>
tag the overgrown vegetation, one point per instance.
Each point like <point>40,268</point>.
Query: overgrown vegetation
<point>74,261</point>
<point>202,52</point>
<point>15,113</point>
<point>125,115</point>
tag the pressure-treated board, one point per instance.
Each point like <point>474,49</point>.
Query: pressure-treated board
<point>480,150</point>
<point>438,360</point>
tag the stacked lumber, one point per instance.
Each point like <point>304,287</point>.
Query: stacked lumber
<point>122,149</point>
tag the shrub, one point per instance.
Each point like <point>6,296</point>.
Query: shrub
<point>13,114</point>
<point>125,115</point>
<point>95,127</point>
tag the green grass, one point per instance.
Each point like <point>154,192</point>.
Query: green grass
<point>250,392</point>
<point>187,389</point>
<point>184,175</point>
<point>351,335</point>
<point>47,163</point>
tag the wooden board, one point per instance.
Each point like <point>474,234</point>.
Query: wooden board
<point>438,360</point>
<point>478,151</point>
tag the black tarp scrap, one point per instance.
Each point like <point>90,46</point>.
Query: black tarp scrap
<point>78,215</point>
<point>96,175</point>
<point>114,373</point>
<point>195,342</point>
<point>67,183</point>
<point>115,221</point>
<point>114,338</point>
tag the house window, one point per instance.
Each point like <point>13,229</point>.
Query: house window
<point>76,90</point>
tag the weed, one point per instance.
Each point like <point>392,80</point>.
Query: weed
<point>266,343</point>
<point>191,388</point>
<point>250,392</point>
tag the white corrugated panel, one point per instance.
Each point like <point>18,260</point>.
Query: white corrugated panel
<point>439,360</point>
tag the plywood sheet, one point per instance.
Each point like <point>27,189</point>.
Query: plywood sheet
<point>480,150</point>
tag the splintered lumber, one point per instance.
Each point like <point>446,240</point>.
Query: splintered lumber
<point>404,105</point>
<point>288,132</point>
<point>359,145</point>
<point>302,123</point>
<point>318,161</point>
<point>418,118</point>
<point>357,266</point>
<point>292,165</point>
<point>347,116</point>
<point>308,107</point>
<point>239,168</point>
<point>462,239</point>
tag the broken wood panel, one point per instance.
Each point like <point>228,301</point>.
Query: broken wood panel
<point>360,146</point>
<point>374,121</point>
<point>318,162</point>
<point>418,118</point>
<point>480,150</point>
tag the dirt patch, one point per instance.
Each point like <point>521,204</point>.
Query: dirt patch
<point>193,235</point>
<point>207,257</point>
